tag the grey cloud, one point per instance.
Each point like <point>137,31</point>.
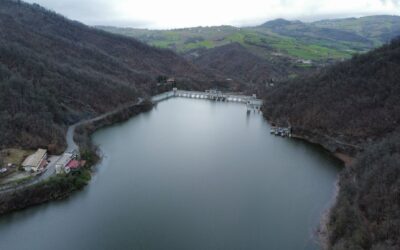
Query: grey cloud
<point>104,12</point>
<point>87,11</point>
<point>92,12</point>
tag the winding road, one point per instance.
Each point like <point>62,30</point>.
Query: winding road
<point>71,146</point>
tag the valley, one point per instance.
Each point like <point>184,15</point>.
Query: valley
<point>167,136</point>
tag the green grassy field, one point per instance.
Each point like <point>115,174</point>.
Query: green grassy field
<point>319,41</point>
<point>279,44</point>
<point>14,156</point>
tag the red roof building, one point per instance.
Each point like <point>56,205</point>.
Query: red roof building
<point>74,164</point>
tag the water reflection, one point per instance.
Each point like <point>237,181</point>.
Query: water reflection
<point>191,174</point>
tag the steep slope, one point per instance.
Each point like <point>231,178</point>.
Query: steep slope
<point>54,71</point>
<point>236,62</point>
<point>367,211</point>
<point>353,108</point>
<point>357,100</point>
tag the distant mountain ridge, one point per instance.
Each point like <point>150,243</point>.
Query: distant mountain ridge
<point>302,30</point>
<point>379,29</point>
<point>277,22</point>
<point>339,37</point>
<point>295,45</point>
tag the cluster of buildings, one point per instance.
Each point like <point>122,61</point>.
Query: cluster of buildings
<point>281,131</point>
<point>69,162</point>
<point>38,161</point>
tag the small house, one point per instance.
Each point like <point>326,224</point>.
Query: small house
<point>62,163</point>
<point>65,159</point>
<point>60,169</point>
<point>74,165</point>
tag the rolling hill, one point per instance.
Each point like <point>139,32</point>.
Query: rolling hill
<point>356,100</point>
<point>289,48</point>
<point>377,29</point>
<point>319,41</point>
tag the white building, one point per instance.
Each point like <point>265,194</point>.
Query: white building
<point>61,165</point>
<point>60,169</point>
<point>35,161</point>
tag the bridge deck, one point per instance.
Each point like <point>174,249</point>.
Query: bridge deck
<point>251,101</point>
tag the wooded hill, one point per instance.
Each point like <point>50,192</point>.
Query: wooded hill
<point>236,62</point>
<point>54,71</point>
<point>356,101</point>
<point>353,107</point>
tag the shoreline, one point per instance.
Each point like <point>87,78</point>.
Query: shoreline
<point>81,137</point>
<point>62,187</point>
<point>322,231</point>
<point>345,158</point>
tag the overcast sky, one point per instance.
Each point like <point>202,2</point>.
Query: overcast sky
<point>165,14</point>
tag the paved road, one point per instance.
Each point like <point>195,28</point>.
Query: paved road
<point>71,146</point>
<point>163,96</point>
<point>50,171</point>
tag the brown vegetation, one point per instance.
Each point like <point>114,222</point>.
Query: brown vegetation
<point>54,72</point>
<point>354,102</point>
<point>237,62</point>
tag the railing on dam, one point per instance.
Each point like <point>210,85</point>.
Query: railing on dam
<point>251,101</point>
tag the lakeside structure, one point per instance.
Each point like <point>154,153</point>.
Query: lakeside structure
<point>282,131</point>
<point>252,103</point>
<point>68,162</point>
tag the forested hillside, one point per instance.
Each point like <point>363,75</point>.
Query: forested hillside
<point>236,62</point>
<point>54,71</point>
<point>353,108</point>
<point>367,212</point>
<point>356,100</point>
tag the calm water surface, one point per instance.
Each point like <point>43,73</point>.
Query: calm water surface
<point>190,174</point>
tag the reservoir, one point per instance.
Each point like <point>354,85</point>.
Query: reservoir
<point>190,174</point>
